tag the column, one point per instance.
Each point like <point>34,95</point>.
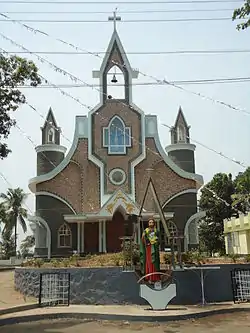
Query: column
<point>100,236</point>
<point>104,237</point>
<point>82,237</point>
<point>78,238</point>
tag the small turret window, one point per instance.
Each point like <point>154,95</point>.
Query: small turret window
<point>51,135</point>
<point>181,134</point>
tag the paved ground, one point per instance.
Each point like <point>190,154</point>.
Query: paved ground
<point>8,296</point>
<point>217,324</point>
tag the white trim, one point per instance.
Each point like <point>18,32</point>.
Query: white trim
<point>51,147</point>
<point>34,219</point>
<point>56,197</point>
<point>104,235</point>
<point>198,215</point>
<point>81,131</point>
<point>78,238</point>
<point>191,190</point>
<point>180,146</point>
<point>184,174</point>
<point>100,236</point>
<point>124,176</point>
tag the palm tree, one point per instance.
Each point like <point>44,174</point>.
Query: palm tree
<point>3,214</point>
<point>13,201</point>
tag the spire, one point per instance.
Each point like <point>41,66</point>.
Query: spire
<point>180,130</point>
<point>50,130</point>
<point>115,60</point>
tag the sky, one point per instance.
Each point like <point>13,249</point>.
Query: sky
<point>218,127</point>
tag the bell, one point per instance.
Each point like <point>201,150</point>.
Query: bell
<point>114,80</point>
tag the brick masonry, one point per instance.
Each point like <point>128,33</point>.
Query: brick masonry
<point>109,286</point>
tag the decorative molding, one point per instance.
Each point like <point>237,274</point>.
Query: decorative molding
<point>180,146</point>
<point>51,147</point>
<point>191,190</point>
<point>184,174</point>
<point>124,176</point>
<point>50,175</point>
<point>45,193</point>
<point>37,219</point>
<point>196,216</point>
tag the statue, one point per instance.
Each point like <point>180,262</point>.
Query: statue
<point>149,253</point>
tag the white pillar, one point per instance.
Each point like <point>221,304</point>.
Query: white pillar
<point>100,236</point>
<point>82,237</point>
<point>104,237</point>
<point>78,238</point>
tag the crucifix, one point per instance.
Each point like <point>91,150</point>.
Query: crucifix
<point>114,18</point>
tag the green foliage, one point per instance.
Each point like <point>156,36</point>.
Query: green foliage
<point>187,257</point>
<point>35,262</point>
<point>26,246</point>
<point>247,258</point>
<point>167,257</point>
<point>241,199</point>
<point>234,257</point>
<point>7,244</point>
<point>131,252</point>
<point>14,71</point>
<point>243,13</point>
<point>14,211</point>
<point>211,228</point>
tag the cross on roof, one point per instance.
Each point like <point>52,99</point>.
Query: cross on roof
<point>114,18</point>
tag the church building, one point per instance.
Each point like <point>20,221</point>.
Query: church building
<point>89,198</point>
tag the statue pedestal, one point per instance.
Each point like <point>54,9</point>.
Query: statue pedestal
<point>158,298</point>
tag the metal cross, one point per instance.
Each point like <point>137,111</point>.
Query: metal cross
<point>114,18</point>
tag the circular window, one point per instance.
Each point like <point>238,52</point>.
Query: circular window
<point>117,176</point>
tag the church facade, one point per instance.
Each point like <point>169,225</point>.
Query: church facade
<point>89,198</point>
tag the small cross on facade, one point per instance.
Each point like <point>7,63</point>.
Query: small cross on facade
<point>114,18</point>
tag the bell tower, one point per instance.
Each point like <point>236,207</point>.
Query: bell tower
<point>50,153</point>
<point>115,70</point>
<point>181,151</point>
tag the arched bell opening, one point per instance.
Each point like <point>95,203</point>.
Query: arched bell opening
<point>115,83</point>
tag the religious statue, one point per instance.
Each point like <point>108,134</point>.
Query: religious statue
<point>149,252</point>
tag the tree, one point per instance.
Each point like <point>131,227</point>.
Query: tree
<point>26,245</point>
<point>14,71</point>
<point>211,229</point>
<point>14,200</point>
<point>8,244</point>
<point>243,13</point>
<point>241,199</point>
<point>3,214</point>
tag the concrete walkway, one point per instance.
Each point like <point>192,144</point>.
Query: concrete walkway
<point>121,313</point>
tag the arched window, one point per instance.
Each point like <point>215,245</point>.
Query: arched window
<point>64,236</point>
<point>51,135</point>
<point>117,137</point>
<point>181,134</point>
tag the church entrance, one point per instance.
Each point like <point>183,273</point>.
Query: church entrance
<point>115,230</point>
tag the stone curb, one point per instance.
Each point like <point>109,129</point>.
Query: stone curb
<point>19,308</point>
<point>114,317</point>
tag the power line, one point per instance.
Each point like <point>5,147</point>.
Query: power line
<point>126,21</point>
<point>188,52</point>
<point>117,3</point>
<point>125,12</point>
<point>180,82</point>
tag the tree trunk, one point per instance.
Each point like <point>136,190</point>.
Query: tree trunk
<point>15,236</point>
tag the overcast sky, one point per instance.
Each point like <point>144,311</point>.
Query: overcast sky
<point>214,125</point>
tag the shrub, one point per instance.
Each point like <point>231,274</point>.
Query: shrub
<point>55,263</point>
<point>117,259</point>
<point>247,258</point>
<point>233,257</point>
<point>167,257</point>
<point>187,257</point>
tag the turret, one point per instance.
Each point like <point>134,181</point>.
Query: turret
<point>181,151</point>
<point>50,153</point>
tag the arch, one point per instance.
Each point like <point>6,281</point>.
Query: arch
<point>64,236</point>
<point>58,198</point>
<point>51,135</point>
<point>191,190</point>
<point>116,137</point>
<point>36,220</point>
<point>181,133</point>
<point>120,209</point>
<point>115,78</point>
<point>194,218</point>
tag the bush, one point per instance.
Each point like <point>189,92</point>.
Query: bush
<point>247,258</point>
<point>233,257</point>
<point>167,257</point>
<point>117,259</point>
<point>187,257</point>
